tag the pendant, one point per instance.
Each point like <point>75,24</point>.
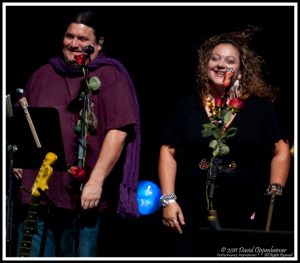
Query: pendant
<point>204,164</point>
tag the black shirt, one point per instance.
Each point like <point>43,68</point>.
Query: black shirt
<point>238,193</point>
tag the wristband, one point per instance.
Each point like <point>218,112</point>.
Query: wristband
<point>167,198</point>
<point>274,189</point>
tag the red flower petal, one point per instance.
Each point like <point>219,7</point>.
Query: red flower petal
<point>77,172</point>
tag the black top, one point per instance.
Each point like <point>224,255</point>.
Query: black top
<point>238,193</point>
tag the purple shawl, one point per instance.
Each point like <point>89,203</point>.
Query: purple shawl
<point>127,206</point>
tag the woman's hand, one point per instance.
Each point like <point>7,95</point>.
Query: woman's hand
<point>173,217</point>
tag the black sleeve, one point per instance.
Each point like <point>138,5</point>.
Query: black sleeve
<point>175,131</point>
<point>273,128</point>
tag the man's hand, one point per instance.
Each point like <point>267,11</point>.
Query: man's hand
<point>18,173</point>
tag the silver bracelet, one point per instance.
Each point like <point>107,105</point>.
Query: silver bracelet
<point>165,199</point>
<point>274,189</point>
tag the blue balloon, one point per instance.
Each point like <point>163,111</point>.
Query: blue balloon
<point>148,194</point>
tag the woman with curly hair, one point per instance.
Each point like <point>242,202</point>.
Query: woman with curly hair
<point>223,146</point>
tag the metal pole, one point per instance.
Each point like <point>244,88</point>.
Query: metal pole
<point>10,201</point>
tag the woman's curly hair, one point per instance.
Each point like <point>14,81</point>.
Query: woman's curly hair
<point>252,82</point>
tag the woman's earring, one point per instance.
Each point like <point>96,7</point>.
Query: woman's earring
<point>233,91</point>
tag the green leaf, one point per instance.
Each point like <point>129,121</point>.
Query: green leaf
<point>231,132</point>
<point>217,133</point>
<point>94,83</point>
<point>213,144</point>
<point>77,128</point>
<point>208,129</point>
<point>227,117</point>
<point>223,113</point>
<point>216,151</point>
<point>219,148</point>
<point>208,125</point>
<point>224,149</point>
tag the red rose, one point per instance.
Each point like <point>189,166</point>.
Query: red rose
<point>77,172</point>
<point>236,104</point>
<point>79,59</point>
<point>219,102</point>
<point>82,60</point>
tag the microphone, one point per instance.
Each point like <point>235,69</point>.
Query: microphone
<point>227,79</point>
<point>88,50</point>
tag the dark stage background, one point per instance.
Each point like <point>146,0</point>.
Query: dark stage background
<point>158,45</point>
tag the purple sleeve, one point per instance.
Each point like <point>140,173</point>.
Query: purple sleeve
<point>117,101</point>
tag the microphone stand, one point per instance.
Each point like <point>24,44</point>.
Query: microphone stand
<point>216,166</point>
<point>83,128</point>
<point>213,174</point>
<point>10,201</point>
<point>82,146</point>
<point>271,208</point>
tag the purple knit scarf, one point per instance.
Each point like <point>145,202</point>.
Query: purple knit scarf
<point>127,206</point>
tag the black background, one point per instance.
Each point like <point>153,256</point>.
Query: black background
<point>157,44</point>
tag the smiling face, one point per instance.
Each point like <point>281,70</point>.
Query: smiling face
<point>223,56</point>
<point>77,37</point>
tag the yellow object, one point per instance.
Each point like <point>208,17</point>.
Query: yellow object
<point>292,151</point>
<point>44,174</point>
